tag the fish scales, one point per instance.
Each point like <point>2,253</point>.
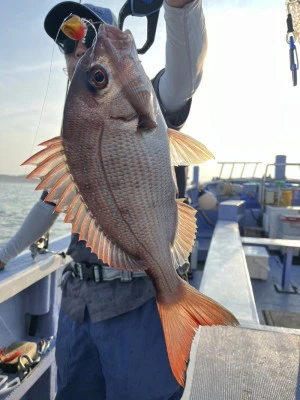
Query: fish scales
<point>119,157</point>
<point>124,205</point>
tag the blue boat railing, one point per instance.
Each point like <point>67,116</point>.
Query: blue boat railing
<point>29,305</point>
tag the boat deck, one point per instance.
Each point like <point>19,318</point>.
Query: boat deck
<point>265,293</point>
<point>224,277</point>
<point>254,360</point>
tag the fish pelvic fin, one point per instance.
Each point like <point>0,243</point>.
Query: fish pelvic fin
<point>185,233</point>
<point>52,169</point>
<point>181,319</point>
<point>185,150</point>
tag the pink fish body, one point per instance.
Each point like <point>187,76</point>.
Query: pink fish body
<point>111,172</point>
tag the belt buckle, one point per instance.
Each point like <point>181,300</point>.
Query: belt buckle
<point>98,274</point>
<point>126,276</point>
<point>78,270</point>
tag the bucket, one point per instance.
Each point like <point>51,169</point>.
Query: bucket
<point>286,198</point>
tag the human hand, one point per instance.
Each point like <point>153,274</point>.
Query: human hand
<point>2,265</point>
<point>178,3</point>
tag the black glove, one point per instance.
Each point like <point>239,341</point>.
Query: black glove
<point>142,8</point>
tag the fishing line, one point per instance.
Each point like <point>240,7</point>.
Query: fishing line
<point>49,78</point>
<point>43,105</point>
<point>95,38</point>
<point>85,24</point>
<point>45,96</point>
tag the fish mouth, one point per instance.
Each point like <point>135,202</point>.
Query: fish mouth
<point>113,33</point>
<point>109,42</point>
<point>110,34</point>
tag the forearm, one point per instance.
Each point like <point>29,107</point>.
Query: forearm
<point>38,221</point>
<point>185,53</point>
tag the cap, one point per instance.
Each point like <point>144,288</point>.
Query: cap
<point>58,13</point>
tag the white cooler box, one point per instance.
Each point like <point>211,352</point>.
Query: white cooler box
<point>257,259</point>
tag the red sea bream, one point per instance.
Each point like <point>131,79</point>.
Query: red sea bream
<point>111,172</point>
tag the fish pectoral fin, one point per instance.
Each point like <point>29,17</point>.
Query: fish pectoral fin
<point>185,150</point>
<point>185,234</point>
<point>181,318</point>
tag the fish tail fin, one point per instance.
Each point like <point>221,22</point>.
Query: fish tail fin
<point>180,320</point>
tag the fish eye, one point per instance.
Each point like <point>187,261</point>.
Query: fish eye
<point>98,77</point>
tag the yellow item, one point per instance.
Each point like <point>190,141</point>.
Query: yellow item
<point>74,28</point>
<point>286,198</point>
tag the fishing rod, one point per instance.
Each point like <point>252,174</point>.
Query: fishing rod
<point>293,35</point>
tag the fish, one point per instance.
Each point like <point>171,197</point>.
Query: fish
<point>112,173</point>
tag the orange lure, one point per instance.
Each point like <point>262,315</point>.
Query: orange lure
<point>74,28</point>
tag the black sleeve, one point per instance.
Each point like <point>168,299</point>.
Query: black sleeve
<point>174,120</point>
<point>44,195</point>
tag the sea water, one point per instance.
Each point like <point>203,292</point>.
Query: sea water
<point>16,201</point>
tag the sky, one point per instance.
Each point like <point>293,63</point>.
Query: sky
<point>246,108</point>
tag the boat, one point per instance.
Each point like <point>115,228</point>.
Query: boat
<point>247,249</point>
<point>265,198</point>
<point>246,256</point>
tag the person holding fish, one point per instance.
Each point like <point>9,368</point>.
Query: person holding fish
<point>124,333</point>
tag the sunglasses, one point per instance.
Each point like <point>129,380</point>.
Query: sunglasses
<point>67,45</point>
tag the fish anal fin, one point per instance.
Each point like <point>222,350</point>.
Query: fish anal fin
<point>180,320</point>
<point>113,255</point>
<point>185,150</point>
<point>185,233</point>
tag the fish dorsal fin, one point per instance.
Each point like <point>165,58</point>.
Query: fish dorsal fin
<point>185,234</point>
<point>185,150</point>
<point>57,180</point>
